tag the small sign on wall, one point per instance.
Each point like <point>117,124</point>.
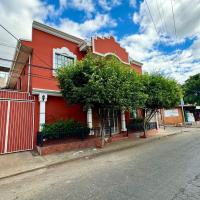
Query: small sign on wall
<point>171,113</point>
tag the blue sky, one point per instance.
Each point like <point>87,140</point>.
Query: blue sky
<point>129,21</point>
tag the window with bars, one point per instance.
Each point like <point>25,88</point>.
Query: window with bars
<point>62,60</point>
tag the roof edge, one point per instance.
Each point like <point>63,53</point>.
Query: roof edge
<point>56,32</point>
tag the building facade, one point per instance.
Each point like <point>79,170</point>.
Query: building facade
<point>34,72</point>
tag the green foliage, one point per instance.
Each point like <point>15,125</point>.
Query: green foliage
<point>100,81</point>
<point>161,92</point>
<point>65,128</point>
<point>108,83</point>
<point>192,90</point>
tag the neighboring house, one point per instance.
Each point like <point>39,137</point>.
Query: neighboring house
<point>180,115</point>
<point>47,51</point>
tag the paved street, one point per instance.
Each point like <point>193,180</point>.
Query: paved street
<point>165,169</point>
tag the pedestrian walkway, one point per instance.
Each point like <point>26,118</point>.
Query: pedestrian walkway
<point>22,162</point>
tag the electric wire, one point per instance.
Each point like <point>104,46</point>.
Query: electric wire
<point>18,40</point>
<point>173,19</point>
<point>152,18</point>
<point>22,63</point>
<point>161,19</point>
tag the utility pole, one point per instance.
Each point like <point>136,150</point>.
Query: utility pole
<point>182,108</point>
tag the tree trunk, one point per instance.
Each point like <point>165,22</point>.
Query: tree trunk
<point>101,115</point>
<point>144,129</point>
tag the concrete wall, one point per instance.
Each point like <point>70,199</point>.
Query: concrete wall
<point>173,120</point>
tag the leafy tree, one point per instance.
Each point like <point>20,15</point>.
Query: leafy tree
<point>192,90</point>
<point>105,82</point>
<point>161,92</point>
<point>100,81</point>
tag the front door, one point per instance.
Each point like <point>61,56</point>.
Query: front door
<point>110,122</point>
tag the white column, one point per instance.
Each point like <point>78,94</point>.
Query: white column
<point>123,121</point>
<point>89,117</point>
<point>42,100</point>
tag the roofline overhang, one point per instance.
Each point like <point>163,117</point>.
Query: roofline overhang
<point>20,58</point>
<point>136,62</point>
<point>55,32</point>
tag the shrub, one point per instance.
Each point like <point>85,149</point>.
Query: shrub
<point>135,124</point>
<point>65,129</point>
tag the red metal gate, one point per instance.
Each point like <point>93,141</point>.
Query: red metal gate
<point>16,121</point>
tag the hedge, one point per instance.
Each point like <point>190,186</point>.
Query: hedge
<point>65,129</point>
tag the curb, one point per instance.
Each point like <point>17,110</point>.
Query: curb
<point>97,154</point>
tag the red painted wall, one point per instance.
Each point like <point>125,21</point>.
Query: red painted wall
<point>57,108</point>
<point>137,68</point>
<point>22,82</point>
<point>43,45</point>
<point>109,45</point>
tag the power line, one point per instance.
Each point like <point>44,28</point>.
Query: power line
<point>18,73</point>
<point>17,49</point>
<point>31,74</point>
<point>174,19</point>
<point>7,45</point>
<point>165,24</point>
<point>21,44</point>
<point>37,66</point>
<point>151,17</point>
<point>178,57</point>
<point>161,18</point>
<point>37,76</point>
<point>9,32</point>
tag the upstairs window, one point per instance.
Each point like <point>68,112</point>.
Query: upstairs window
<point>62,60</point>
<point>62,57</point>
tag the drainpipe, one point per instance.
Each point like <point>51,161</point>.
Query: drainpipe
<point>29,72</point>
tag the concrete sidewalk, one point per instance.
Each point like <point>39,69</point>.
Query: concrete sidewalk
<point>23,162</point>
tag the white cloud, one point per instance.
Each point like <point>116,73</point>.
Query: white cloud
<point>109,4</point>
<point>143,45</point>
<point>63,3</point>
<point>88,27</point>
<point>17,17</point>
<point>133,3</point>
<point>83,5</point>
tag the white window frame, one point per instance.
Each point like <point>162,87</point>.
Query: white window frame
<point>62,51</point>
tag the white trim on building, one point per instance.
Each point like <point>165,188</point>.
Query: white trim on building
<point>37,91</point>
<point>64,51</point>
<point>55,32</point>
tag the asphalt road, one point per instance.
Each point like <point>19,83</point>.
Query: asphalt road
<point>165,169</point>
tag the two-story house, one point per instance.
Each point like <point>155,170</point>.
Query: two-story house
<point>33,72</point>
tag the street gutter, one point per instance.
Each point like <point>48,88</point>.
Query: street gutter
<point>101,152</point>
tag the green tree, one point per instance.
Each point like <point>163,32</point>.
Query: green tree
<point>101,82</point>
<point>192,90</point>
<point>161,92</point>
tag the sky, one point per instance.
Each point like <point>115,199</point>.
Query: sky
<point>162,34</point>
